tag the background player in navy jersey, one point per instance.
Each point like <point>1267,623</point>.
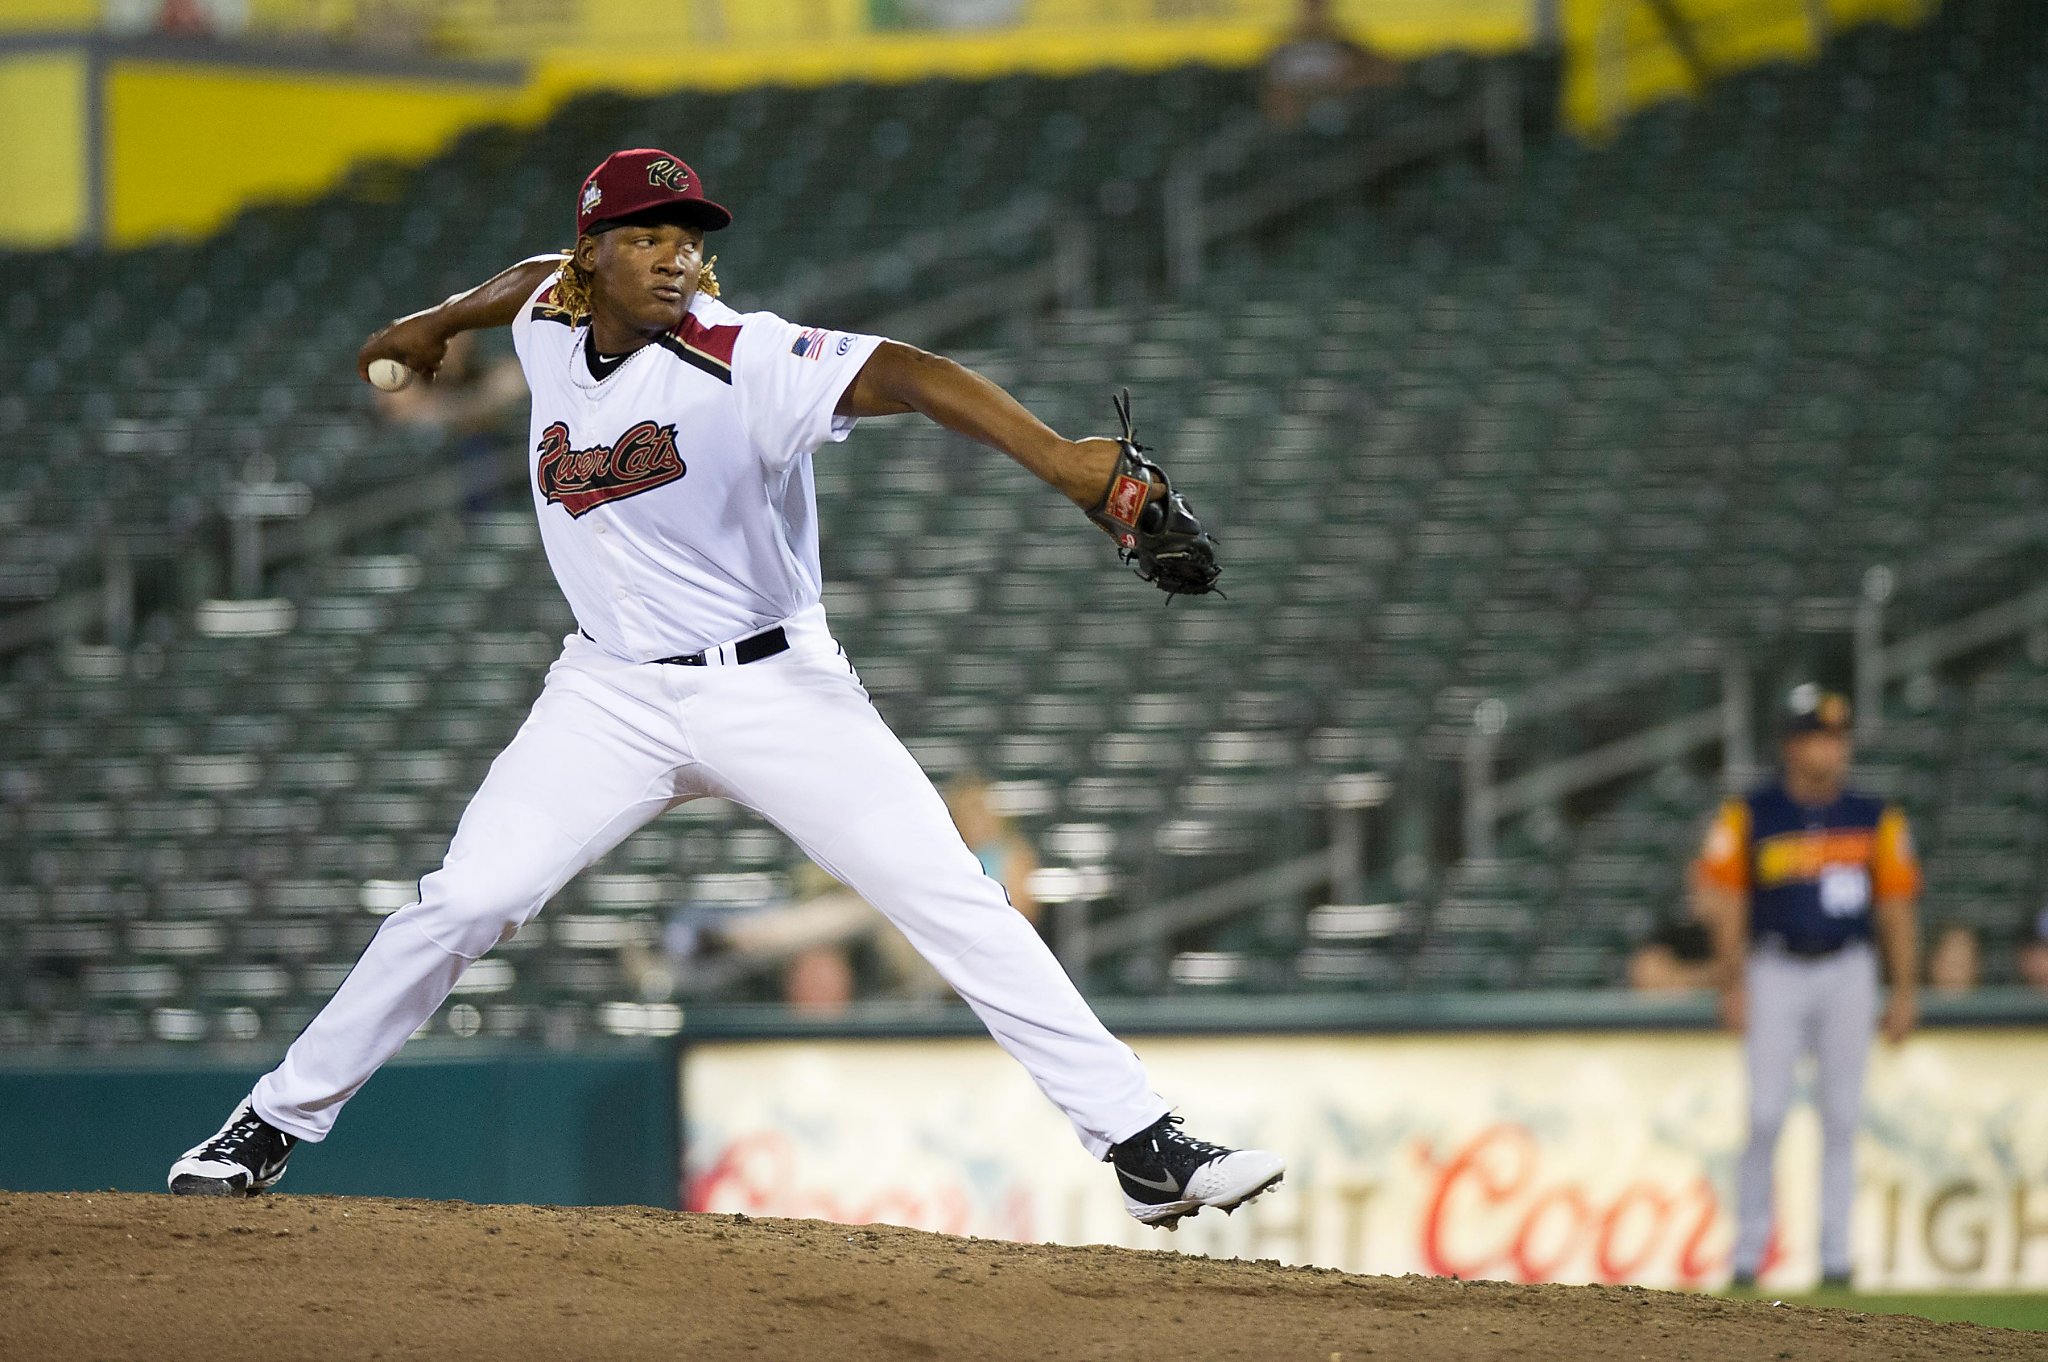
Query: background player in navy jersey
<point>1802,880</point>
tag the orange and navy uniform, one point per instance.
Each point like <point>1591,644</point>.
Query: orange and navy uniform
<point>1810,874</point>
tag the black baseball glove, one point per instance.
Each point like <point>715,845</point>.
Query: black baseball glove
<point>1159,537</point>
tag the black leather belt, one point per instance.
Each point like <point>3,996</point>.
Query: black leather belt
<point>767,643</point>
<point>1816,950</point>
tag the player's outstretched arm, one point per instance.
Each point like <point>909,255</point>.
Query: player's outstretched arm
<point>1124,493</point>
<point>420,341</point>
<point>902,378</point>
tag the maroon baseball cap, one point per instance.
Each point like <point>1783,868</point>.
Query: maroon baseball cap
<point>632,183</point>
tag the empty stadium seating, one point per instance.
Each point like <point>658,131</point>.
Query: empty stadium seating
<point>1459,435</point>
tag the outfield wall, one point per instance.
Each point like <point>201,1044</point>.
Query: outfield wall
<point>1584,1137</point>
<point>469,1123</point>
<point>1555,1155</point>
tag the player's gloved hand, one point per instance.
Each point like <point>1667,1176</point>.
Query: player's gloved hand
<point>419,342</point>
<point>1156,533</point>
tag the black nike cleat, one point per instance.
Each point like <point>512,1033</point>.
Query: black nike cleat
<point>245,1157</point>
<point>1167,1174</point>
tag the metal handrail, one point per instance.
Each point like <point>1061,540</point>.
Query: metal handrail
<point>847,282</point>
<point>2010,618</point>
<point>1193,221</point>
<point>1159,921</point>
<point>1878,664</point>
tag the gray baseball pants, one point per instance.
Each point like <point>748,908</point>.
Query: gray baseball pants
<point>1826,1007</point>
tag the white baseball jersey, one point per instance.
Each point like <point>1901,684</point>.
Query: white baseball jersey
<point>675,495</point>
<point>676,506</point>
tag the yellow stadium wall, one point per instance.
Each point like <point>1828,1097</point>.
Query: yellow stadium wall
<point>45,182</point>
<point>623,44</point>
<point>41,16</point>
<point>1618,58</point>
<point>188,145</point>
<point>679,38</point>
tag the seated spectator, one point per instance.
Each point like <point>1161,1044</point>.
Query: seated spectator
<point>1677,956</point>
<point>818,982</point>
<point>823,915</point>
<point>470,400</point>
<point>467,394</point>
<point>2033,953</point>
<point>1005,856</point>
<point>1316,65</point>
<point>184,17</point>
<point>1955,964</point>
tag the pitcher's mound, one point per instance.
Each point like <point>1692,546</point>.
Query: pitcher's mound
<point>295,1279</point>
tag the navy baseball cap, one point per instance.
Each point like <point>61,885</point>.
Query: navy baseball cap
<point>1809,709</point>
<point>643,182</point>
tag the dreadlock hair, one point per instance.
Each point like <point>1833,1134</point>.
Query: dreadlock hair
<point>572,285</point>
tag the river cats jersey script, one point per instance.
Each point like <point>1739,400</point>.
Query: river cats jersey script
<point>675,494</point>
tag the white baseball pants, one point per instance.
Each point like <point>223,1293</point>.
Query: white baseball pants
<point>610,745</point>
<point>1828,1008</point>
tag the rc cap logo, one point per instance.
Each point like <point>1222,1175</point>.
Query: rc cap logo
<point>664,173</point>
<point>646,181</point>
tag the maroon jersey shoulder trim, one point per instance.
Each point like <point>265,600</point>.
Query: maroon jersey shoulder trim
<point>712,342</point>
<point>548,308</point>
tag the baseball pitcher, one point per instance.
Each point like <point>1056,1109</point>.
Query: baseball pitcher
<point>670,458</point>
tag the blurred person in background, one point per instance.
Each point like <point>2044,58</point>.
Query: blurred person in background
<point>183,18</point>
<point>1005,856</point>
<point>1678,956</point>
<point>1955,963</point>
<point>1315,68</point>
<point>2032,956</point>
<point>818,982</point>
<point>1795,881</point>
<point>470,399</point>
<point>699,943</point>
<point>1005,853</point>
<point>824,915</point>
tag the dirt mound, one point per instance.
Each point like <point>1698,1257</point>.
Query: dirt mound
<point>109,1275</point>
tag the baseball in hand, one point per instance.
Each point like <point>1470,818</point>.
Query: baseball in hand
<point>389,375</point>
